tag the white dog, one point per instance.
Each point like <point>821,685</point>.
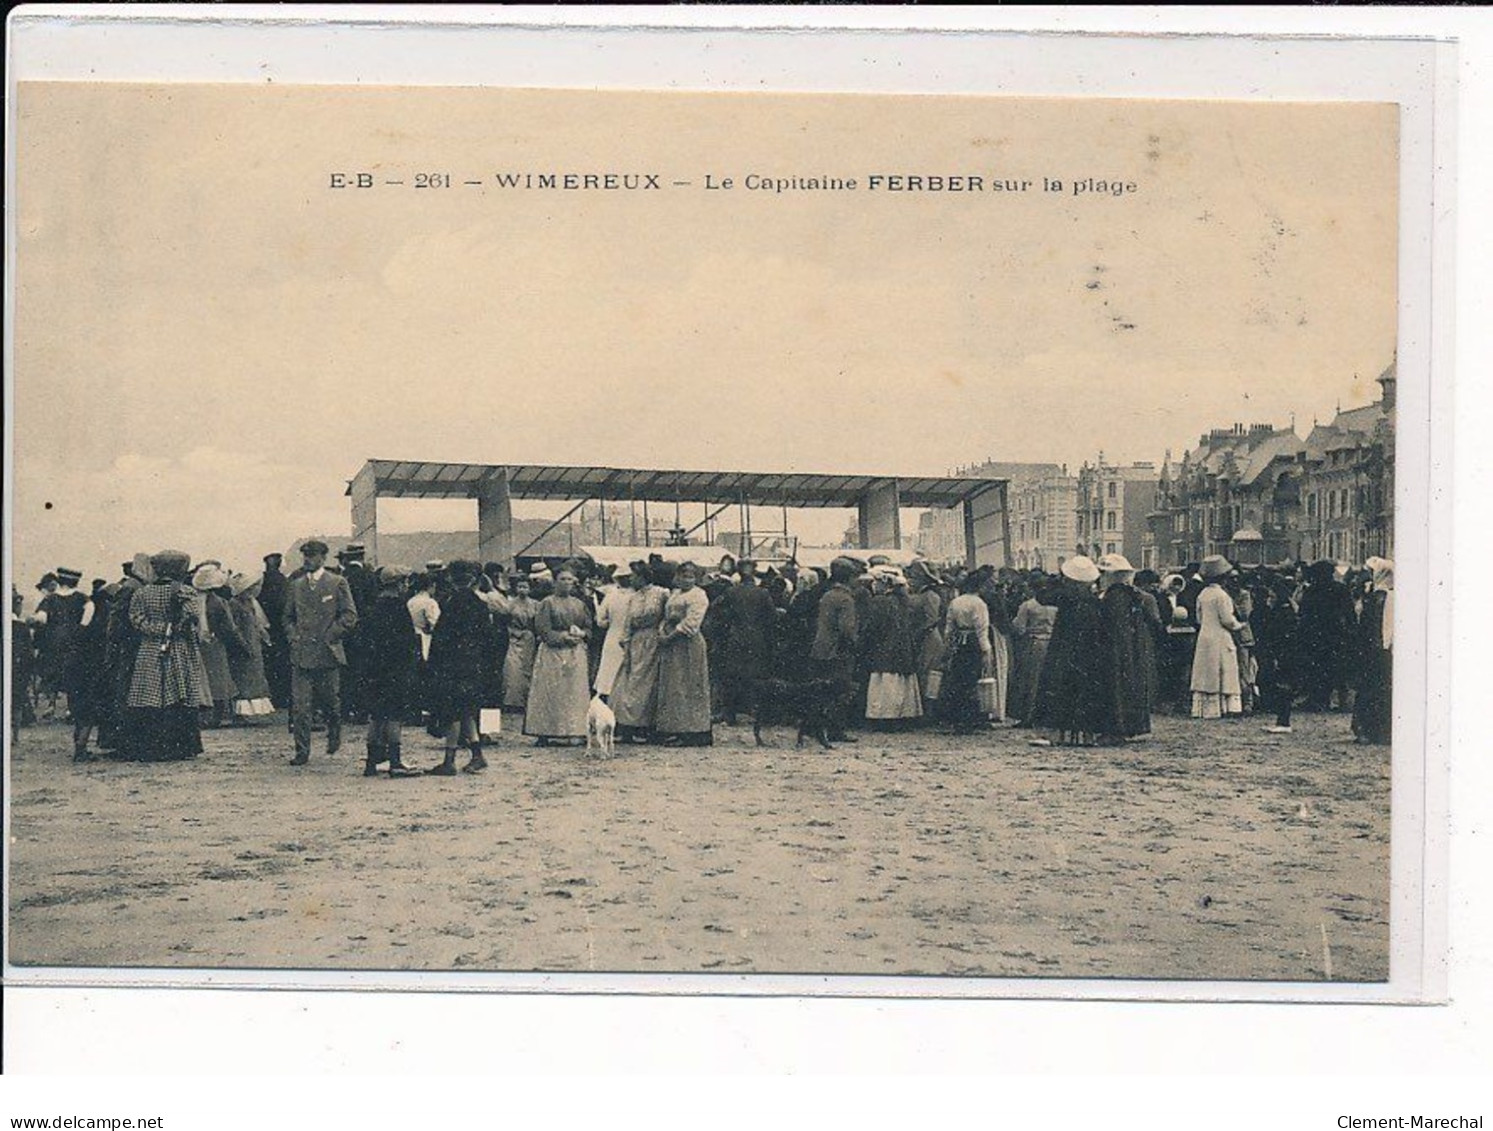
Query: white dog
<point>601,725</point>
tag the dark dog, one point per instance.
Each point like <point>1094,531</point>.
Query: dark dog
<point>808,703</point>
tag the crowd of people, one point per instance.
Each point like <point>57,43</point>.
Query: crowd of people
<point>142,664</point>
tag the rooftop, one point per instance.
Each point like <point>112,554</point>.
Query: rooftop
<point>395,479</point>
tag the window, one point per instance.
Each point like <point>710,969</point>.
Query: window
<point>1109,547</point>
<point>1311,505</point>
<point>1111,489</point>
<point>1109,520</point>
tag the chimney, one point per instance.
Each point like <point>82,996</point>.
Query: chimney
<point>1387,383</point>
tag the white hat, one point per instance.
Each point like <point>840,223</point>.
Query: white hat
<point>1115,563</point>
<point>1214,566</point>
<point>208,578</point>
<point>1081,569</point>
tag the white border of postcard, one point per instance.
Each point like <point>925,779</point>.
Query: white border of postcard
<point>598,49</point>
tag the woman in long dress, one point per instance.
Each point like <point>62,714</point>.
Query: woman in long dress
<point>1178,649</point>
<point>247,668</point>
<point>968,657</point>
<point>803,616</point>
<point>458,669</point>
<point>169,685</point>
<point>1032,628</point>
<point>682,717</point>
<point>1215,664</point>
<point>634,698</point>
<point>1070,690</point>
<point>1373,706</point>
<point>523,646</point>
<point>925,616</point>
<point>221,640</point>
<point>893,697</point>
<point>993,594</point>
<point>1131,620</point>
<point>611,615</point>
<point>392,645</point>
<point>558,695</point>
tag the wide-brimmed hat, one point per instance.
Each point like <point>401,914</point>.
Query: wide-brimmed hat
<point>68,576</point>
<point>1115,563</point>
<point>1214,566</point>
<point>140,568</point>
<point>208,578</point>
<point>391,574</point>
<point>1080,568</point>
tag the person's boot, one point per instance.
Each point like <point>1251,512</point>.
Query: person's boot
<point>334,735</point>
<point>80,744</point>
<point>477,763</point>
<point>375,756</point>
<point>447,768</point>
<point>397,768</point>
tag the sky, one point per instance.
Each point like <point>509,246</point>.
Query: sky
<point>209,340</point>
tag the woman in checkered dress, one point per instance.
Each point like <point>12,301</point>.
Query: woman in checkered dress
<point>170,683</point>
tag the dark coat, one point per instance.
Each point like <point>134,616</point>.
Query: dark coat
<point>747,619</point>
<point>86,673</point>
<point>1325,633</point>
<point>836,635</point>
<point>1130,623</point>
<point>393,657</point>
<point>456,673</point>
<point>1188,598</point>
<point>54,639</point>
<point>1276,648</point>
<point>274,591</point>
<point>1373,709</point>
<point>1070,691</point>
<point>886,637</point>
<point>363,584</point>
<point>799,628</point>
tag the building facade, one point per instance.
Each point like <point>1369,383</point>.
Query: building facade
<point>1348,482</point>
<point>1113,503</point>
<point>1261,495</point>
<point>1237,494</point>
<point>1044,519</point>
<point>1040,500</point>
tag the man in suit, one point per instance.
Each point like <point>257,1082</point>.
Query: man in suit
<point>319,614</point>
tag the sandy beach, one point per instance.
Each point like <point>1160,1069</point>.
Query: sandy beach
<point>1209,851</point>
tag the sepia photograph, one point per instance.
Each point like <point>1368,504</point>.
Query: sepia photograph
<point>492,530</point>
